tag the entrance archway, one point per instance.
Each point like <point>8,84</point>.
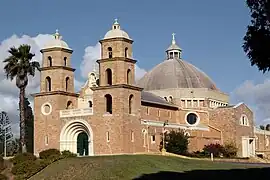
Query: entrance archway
<point>82,144</point>
<point>77,137</point>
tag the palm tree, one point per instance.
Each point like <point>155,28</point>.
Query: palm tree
<point>19,65</point>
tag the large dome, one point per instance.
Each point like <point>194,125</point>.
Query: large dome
<point>175,73</point>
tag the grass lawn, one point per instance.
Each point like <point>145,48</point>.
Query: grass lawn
<point>125,167</point>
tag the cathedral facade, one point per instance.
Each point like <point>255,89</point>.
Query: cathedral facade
<point>114,114</point>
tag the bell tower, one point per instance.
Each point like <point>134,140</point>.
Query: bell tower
<point>56,93</point>
<point>117,100</point>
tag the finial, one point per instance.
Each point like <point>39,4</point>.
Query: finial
<point>116,21</point>
<point>173,38</point>
<point>57,34</point>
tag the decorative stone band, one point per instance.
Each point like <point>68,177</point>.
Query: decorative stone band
<point>76,112</point>
<point>260,131</point>
<point>174,125</point>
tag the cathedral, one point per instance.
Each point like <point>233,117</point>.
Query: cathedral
<point>114,114</point>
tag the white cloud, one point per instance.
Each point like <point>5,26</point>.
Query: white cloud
<point>257,96</point>
<point>91,54</point>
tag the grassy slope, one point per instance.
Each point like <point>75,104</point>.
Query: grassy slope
<point>122,167</point>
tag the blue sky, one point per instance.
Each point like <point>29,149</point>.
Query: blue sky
<point>210,32</point>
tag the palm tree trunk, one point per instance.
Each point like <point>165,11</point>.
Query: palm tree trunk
<point>22,120</point>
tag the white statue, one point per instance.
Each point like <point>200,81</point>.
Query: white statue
<point>92,80</point>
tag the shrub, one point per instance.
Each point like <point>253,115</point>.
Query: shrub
<point>216,149</point>
<point>197,154</point>
<point>19,158</point>
<point>3,177</point>
<point>28,168</point>
<point>50,154</point>
<point>68,154</point>
<point>230,150</point>
<point>175,142</point>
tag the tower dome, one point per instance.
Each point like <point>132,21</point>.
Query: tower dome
<point>116,32</point>
<point>174,72</point>
<point>57,42</point>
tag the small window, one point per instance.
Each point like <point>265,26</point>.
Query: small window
<point>69,105</point>
<point>130,104</point>
<point>110,52</point>
<point>90,104</point>
<point>108,136</point>
<point>132,136</point>
<point>109,76</point>
<point>46,140</point>
<point>65,61</point>
<point>153,139</point>
<point>158,113</point>
<point>192,119</point>
<point>49,61</point>
<point>170,99</point>
<point>126,52</point>
<point>128,76</point>
<point>147,111</point>
<point>244,120</point>
<point>67,83</point>
<point>165,98</point>
<point>48,84</point>
<point>108,99</point>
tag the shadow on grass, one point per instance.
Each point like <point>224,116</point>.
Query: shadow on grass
<point>209,174</point>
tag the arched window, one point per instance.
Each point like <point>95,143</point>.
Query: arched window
<point>130,104</point>
<point>109,76</point>
<point>108,101</point>
<point>110,52</point>
<point>49,61</point>
<point>69,105</point>
<point>90,104</point>
<point>67,83</point>
<point>48,84</point>
<point>65,61</point>
<point>128,76</point>
<point>171,55</point>
<point>165,98</point>
<point>126,52</point>
<point>170,99</point>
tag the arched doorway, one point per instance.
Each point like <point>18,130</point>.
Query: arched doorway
<point>77,137</point>
<point>82,144</point>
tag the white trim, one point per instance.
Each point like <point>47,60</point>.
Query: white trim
<point>68,137</point>
<point>43,110</point>
<point>237,105</point>
<point>172,125</point>
<point>198,118</point>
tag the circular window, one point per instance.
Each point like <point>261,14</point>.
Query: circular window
<point>192,119</point>
<point>46,109</point>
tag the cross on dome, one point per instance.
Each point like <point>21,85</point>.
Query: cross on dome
<point>173,38</point>
<point>57,35</point>
<point>116,21</point>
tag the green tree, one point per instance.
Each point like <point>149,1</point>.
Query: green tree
<point>176,142</point>
<point>29,126</point>
<point>19,65</point>
<point>257,39</point>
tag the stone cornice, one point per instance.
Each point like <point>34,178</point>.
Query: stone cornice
<point>117,86</point>
<point>117,59</point>
<point>55,93</point>
<point>57,67</point>
<point>116,39</point>
<point>56,49</point>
